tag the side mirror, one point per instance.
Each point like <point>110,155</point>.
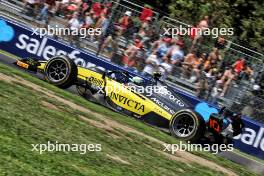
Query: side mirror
<point>157,75</point>
<point>104,74</point>
<point>222,110</point>
<point>225,112</point>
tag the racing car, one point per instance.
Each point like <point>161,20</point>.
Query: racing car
<point>151,101</point>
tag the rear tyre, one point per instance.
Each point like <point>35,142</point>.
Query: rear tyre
<point>187,125</point>
<point>61,71</point>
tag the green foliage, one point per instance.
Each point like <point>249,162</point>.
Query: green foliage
<point>245,16</point>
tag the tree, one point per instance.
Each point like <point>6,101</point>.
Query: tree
<point>245,16</point>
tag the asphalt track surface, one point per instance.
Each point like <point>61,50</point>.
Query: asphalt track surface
<point>249,163</point>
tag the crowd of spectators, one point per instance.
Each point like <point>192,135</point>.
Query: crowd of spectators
<point>146,50</point>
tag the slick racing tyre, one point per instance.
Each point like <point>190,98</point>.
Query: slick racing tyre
<point>61,71</point>
<point>187,125</point>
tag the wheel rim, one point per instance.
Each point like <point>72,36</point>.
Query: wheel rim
<point>57,71</point>
<point>184,125</point>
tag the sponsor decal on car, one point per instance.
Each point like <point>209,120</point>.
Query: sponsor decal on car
<point>96,81</point>
<point>205,110</point>
<point>126,101</point>
<point>163,105</point>
<point>171,96</point>
<point>175,99</point>
<point>22,64</point>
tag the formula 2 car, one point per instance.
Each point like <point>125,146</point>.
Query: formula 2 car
<point>149,100</point>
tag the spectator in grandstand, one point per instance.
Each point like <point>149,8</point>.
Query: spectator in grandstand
<point>247,72</point>
<point>124,22</point>
<point>258,87</point>
<point>129,59</point>
<point>88,20</point>
<point>96,9</point>
<point>204,23</point>
<point>162,47</point>
<point>106,8</point>
<point>68,7</point>
<point>212,60</point>
<point>86,6</point>
<point>197,31</point>
<point>130,33</point>
<point>206,61</point>
<point>209,63</point>
<point>50,3</point>
<point>187,65</point>
<point>60,6</point>
<point>141,33</point>
<point>31,7</point>
<point>239,65</point>
<point>74,24</point>
<point>43,16</point>
<point>27,2</point>
<point>165,68</point>
<point>146,13</point>
<point>110,41</point>
<point>176,51</point>
<point>206,85</point>
<point>215,55</point>
<point>144,33</point>
<point>202,86</point>
<point>78,3</point>
<point>204,58</point>
<point>102,23</point>
<point>190,66</point>
<point>213,91</point>
<point>44,13</point>
<point>228,77</point>
<point>243,71</point>
<point>150,37</point>
<point>71,8</point>
<point>152,63</point>
<point>155,45</point>
<point>146,23</point>
<point>196,68</point>
<point>220,43</point>
<point>141,56</point>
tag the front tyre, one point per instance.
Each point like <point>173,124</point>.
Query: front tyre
<point>61,71</point>
<point>187,125</point>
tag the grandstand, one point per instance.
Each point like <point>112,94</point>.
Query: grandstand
<point>239,96</point>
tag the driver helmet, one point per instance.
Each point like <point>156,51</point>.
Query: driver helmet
<point>137,80</point>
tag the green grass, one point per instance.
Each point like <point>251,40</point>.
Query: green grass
<point>251,157</point>
<point>25,121</point>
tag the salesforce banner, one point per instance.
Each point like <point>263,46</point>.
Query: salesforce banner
<point>23,42</point>
<point>20,41</point>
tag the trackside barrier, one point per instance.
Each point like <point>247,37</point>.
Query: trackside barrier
<point>19,40</point>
